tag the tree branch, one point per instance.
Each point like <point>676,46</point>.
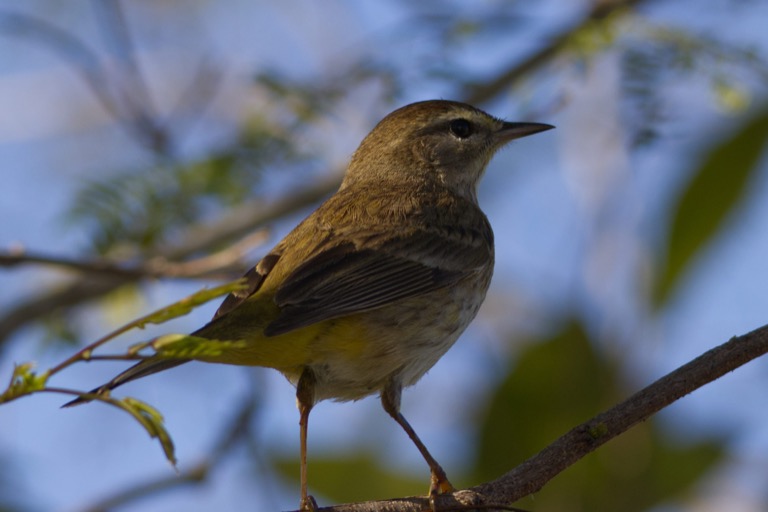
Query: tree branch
<point>225,264</point>
<point>534,473</point>
<point>237,223</point>
<point>482,92</point>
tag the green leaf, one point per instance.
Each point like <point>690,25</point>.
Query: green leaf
<point>142,207</point>
<point>187,304</point>
<point>149,418</point>
<point>556,384</point>
<point>559,383</point>
<point>716,189</point>
<point>191,347</point>
<point>23,382</point>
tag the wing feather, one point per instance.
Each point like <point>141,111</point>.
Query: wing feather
<point>378,255</point>
<point>346,280</point>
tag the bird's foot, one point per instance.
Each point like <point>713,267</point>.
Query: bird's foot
<point>308,504</point>
<point>439,484</point>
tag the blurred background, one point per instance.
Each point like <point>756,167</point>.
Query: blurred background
<point>189,136</point>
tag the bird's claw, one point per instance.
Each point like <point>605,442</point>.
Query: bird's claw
<point>439,484</point>
<point>308,504</point>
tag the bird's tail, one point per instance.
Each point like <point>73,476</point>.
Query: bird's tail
<point>137,371</point>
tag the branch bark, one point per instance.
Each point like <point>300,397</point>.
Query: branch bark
<point>225,265</point>
<point>239,222</point>
<point>530,476</point>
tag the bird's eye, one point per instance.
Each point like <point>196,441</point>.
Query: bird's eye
<point>461,128</point>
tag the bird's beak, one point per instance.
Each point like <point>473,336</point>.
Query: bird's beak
<point>510,131</point>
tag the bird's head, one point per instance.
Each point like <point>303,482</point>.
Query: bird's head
<point>447,142</point>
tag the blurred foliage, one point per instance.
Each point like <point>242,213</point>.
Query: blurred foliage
<point>559,383</point>
<point>358,476</point>
<point>23,382</point>
<point>142,208</point>
<point>656,57</point>
<point>61,329</point>
<point>718,187</point>
<point>308,100</point>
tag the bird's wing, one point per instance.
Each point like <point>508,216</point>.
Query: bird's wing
<point>332,266</point>
<point>343,279</point>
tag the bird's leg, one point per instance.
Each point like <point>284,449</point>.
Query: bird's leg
<point>439,484</point>
<point>305,399</point>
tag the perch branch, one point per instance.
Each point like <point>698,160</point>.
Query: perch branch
<point>530,476</point>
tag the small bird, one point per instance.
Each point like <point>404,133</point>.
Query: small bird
<point>368,292</point>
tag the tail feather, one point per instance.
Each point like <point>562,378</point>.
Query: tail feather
<point>136,371</point>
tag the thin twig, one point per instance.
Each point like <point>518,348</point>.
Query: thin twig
<point>115,357</point>
<point>140,113</point>
<point>158,316</point>
<point>197,96</point>
<point>225,264</point>
<point>117,34</point>
<point>83,59</point>
<point>111,94</point>
<point>198,239</point>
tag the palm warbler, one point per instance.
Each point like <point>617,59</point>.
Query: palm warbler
<point>370,290</point>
